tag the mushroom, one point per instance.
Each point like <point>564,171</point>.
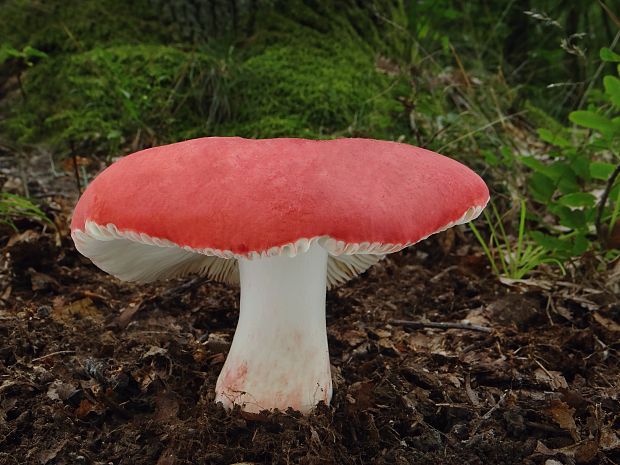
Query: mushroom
<point>283,218</point>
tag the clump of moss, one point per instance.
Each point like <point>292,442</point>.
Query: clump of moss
<point>77,25</point>
<point>108,84</point>
<point>298,89</point>
<point>106,97</point>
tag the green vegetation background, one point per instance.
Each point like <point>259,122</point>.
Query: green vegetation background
<point>490,83</point>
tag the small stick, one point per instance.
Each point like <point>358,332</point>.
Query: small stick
<point>603,202</point>
<point>76,172</point>
<point>60,352</point>
<point>440,325</point>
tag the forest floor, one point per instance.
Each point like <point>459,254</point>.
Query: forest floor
<point>96,371</point>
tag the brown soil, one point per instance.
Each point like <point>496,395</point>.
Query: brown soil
<point>95,371</point>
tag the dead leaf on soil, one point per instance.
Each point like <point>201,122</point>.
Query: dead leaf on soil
<point>562,414</point>
<point>354,337</point>
<point>58,390</point>
<point>583,452</point>
<point>607,323</point>
<point>478,316</point>
<point>360,396</point>
<point>609,440</point>
<point>41,281</point>
<point>80,309</point>
<point>50,453</point>
<point>86,407</point>
<point>217,343</point>
<point>553,379</point>
<point>6,293</point>
<point>29,235</point>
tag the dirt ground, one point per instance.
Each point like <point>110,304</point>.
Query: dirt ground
<point>96,371</point>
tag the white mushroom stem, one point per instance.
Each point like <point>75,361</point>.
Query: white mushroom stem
<point>279,356</point>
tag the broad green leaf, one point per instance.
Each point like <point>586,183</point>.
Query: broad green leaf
<point>541,187</point>
<point>564,175</point>
<point>555,139</point>
<point>580,165</point>
<point>534,164</point>
<point>580,245</point>
<point>574,219</point>
<point>607,54</point>
<point>550,242</point>
<point>612,88</point>
<point>577,199</point>
<point>589,119</point>
<point>601,170</point>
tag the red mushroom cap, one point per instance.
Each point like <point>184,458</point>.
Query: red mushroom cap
<point>230,197</point>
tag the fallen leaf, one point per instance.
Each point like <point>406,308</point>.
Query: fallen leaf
<point>86,407</point>
<point>59,390</point>
<point>83,308</point>
<point>42,281</point>
<point>155,351</point>
<point>217,342</point>
<point>6,293</point>
<point>381,333</point>
<point>562,414</point>
<point>361,396</point>
<point>553,379</point>
<point>27,236</point>
<point>51,452</point>
<point>583,452</point>
<point>607,323</point>
<point>609,440</point>
<point>354,337</point>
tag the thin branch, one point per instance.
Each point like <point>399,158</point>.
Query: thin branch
<point>603,202</point>
<point>53,354</point>
<point>441,325</point>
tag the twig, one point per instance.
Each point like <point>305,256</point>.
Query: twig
<point>53,354</point>
<point>76,172</point>
<point>471,394</point>
<point>442,273</point>
<point>603,202</point>
<point>498,404</point>
<point>440,325</point>
<point>22,174</point>
<point>460,65</point>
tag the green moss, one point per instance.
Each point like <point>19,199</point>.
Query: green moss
<point>106,97</point>
<point>301,76</point>
<point>78,25</point>
<point>299,89</point>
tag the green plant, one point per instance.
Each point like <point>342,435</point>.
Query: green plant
<point>508,257</point>
<point>106,98</point>
<point>13,207</point>
<point>577,181</point>
<point>24,57</point>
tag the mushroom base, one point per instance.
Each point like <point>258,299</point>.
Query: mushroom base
<point>279,356</point>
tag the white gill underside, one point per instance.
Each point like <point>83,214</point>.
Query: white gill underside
<point>132,256</point>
